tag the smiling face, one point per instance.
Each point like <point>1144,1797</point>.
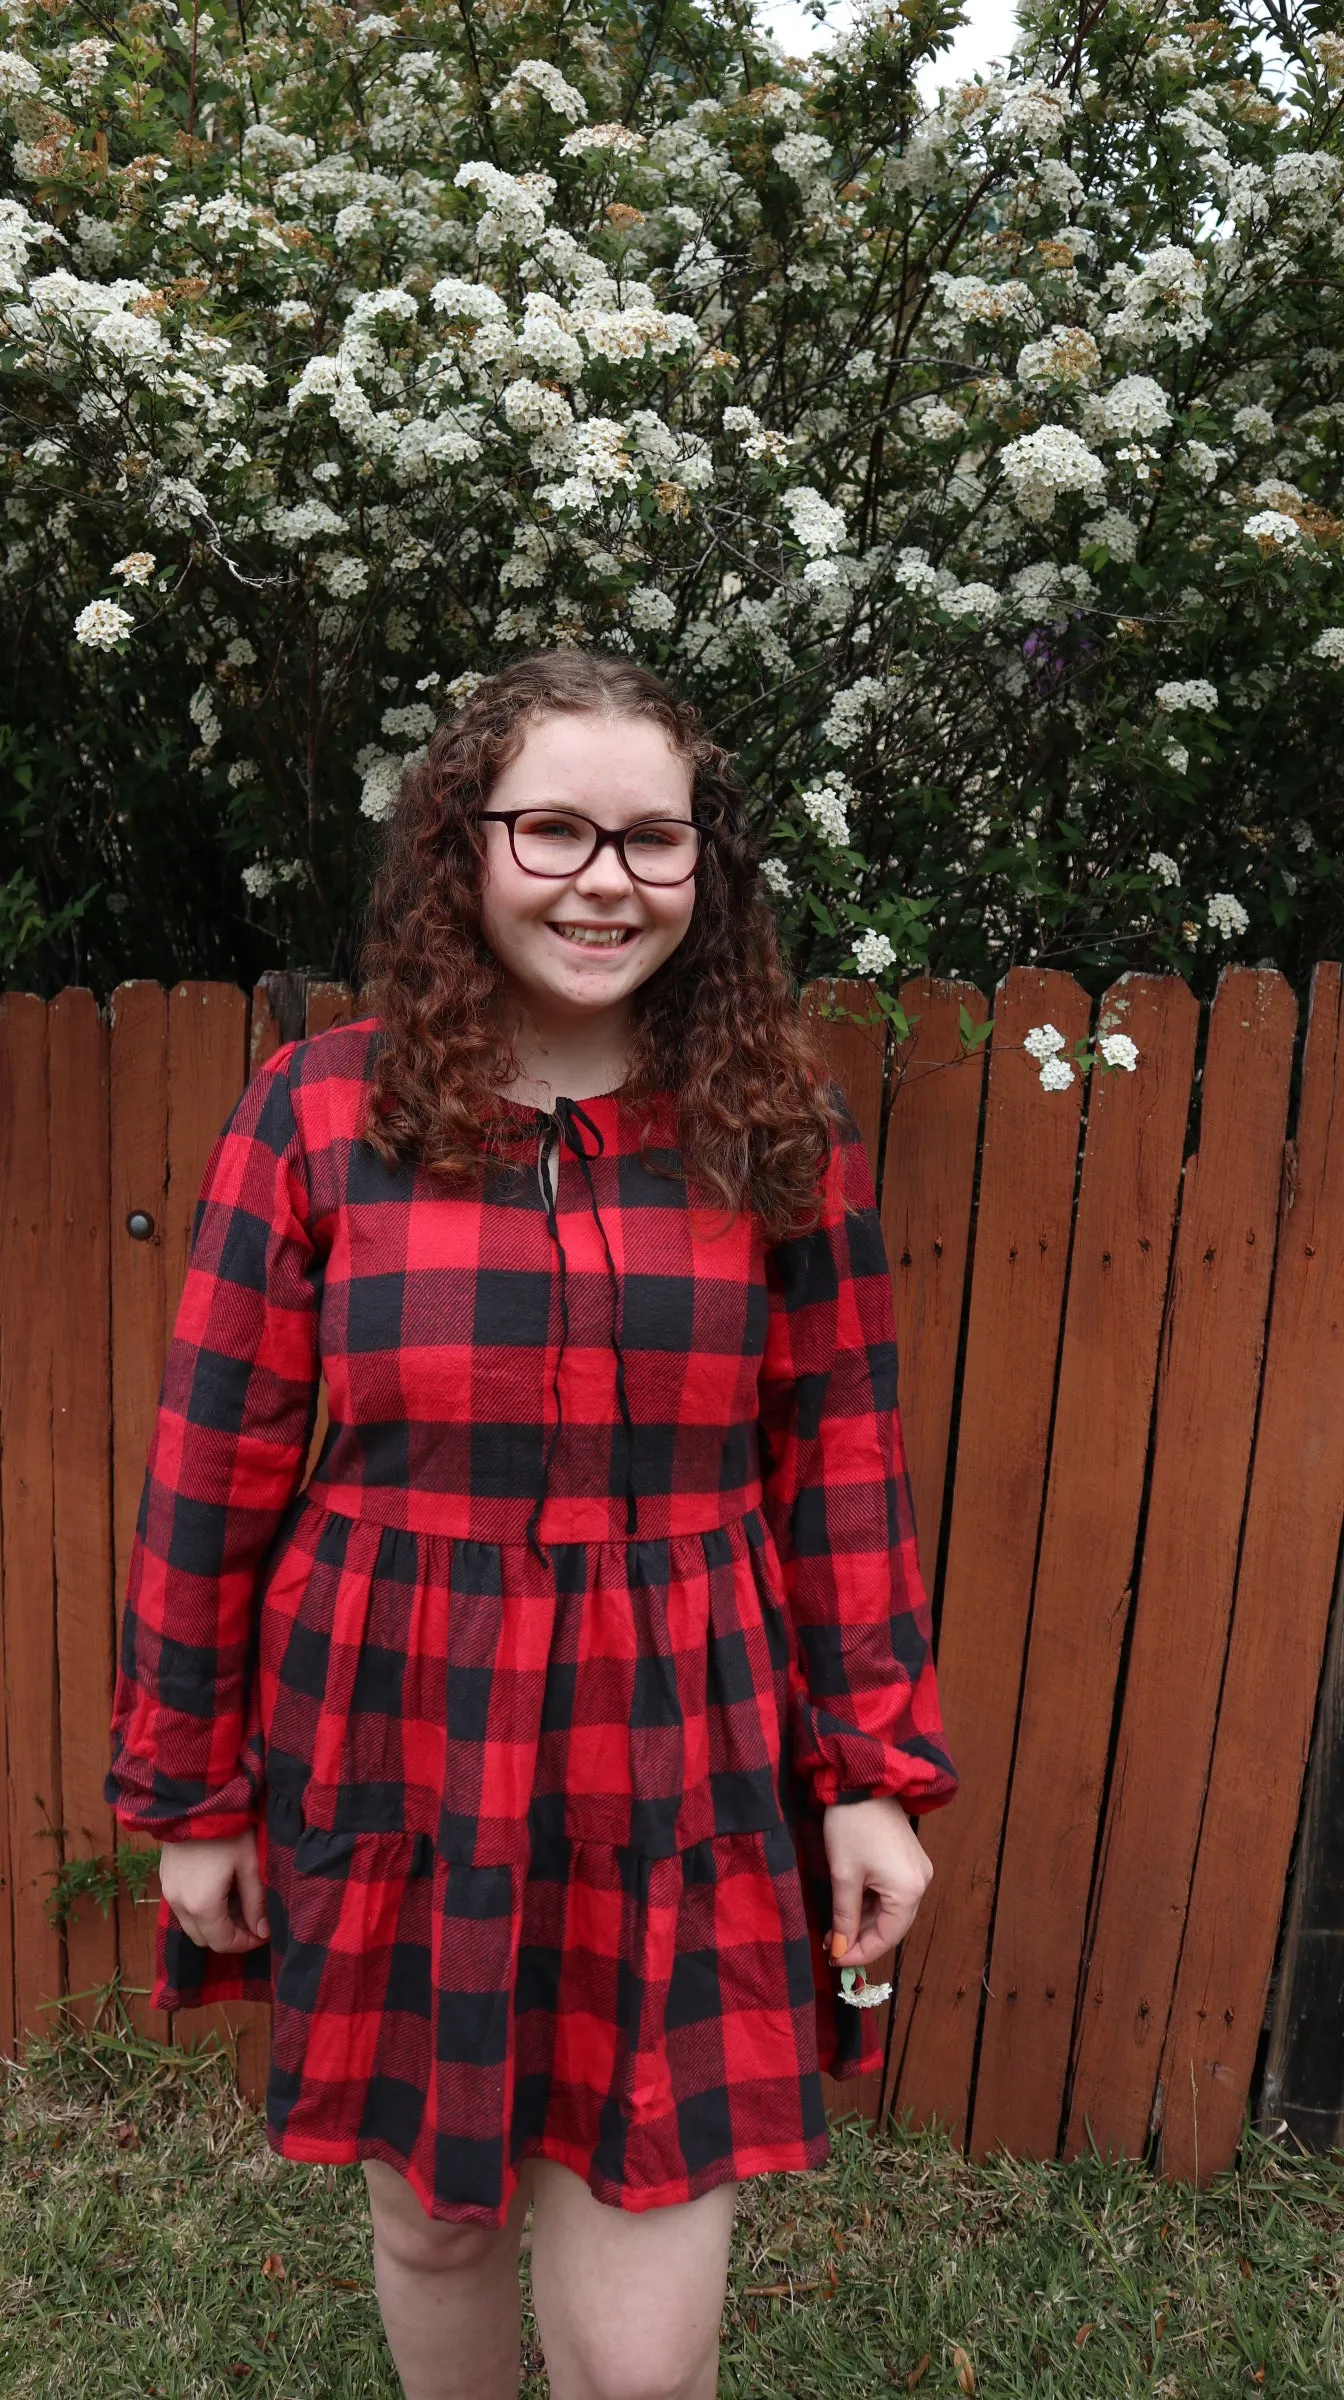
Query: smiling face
<point>616,771</point>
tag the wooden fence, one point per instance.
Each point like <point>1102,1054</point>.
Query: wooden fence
<point>1120,1312</point>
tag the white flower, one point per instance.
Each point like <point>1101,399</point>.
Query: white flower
<point>814,523</point>
<point>873,954</point>
<point>827,804</point>
<point>1176,756</point>
<point>1118,1051</point>
<point>259,879</point>
<point>416,721</point>
<point>534,408</point>
<point>1271,525</point>
<point>1329,646</point>
<point>1119,533</point>
<point>777,876</point>
<point>1226,915</point>
<point>1034,113</point>
<point>18,76</point>
<point>103,624</point>
<point>1039,466</point>
<point>939,423</point>
<point>540,76</point>
<point>1254,424</point>
<point>294,312</point>
<point>979,303</point>
<point>380,772</point>
<point>240,653</point>
<point>343,575</point>
<point>978,600</point>
<point>390,301</point>
<point>136,567</point>
<point>1196,693</point>
<point>453,296</point>
<point>1136,405</point>
<point>459,691</point>
<point>850,711</point>
<point>201,710</point>
<point>1066,354</point>
<point>516,204</point>
<point>603,137</point>
<point>913,572</point>
<point>870,1995</point>
<point>1042,1042</point>
<point>307,521</point>
<point>1056,1075</point>
<point>1162,301</point>
<point>804,157</point>
<point>651,610</point>
<point>243,770</point>
<point>1163,867</point>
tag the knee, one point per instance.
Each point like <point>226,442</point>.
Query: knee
<point>410,2239</point>
<point>654,2375</point>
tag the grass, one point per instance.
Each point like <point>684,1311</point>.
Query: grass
<point>152,2247</point>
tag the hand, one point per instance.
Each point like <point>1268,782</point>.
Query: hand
<point>879,1875</point>
<point>198,1881</point>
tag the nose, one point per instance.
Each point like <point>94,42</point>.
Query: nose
<point>603,876</point>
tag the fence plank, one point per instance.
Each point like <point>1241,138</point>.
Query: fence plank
<point>330,1004</point>
<point>32,1732</point>
<point>1288,1555</point>
<point>82,1460</point>
<point>1304,2068</point>
<point>928,1178</point>
<point>1018,1277</point>
<point>207,1068</point>
<point>1117,1286</point>
<point>1207,1390</point>
<point>855,1050</point>
<point>138,1151</point>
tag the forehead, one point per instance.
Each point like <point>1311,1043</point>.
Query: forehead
<point>611,767</point>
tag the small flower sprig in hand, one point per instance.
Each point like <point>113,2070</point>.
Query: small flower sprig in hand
<point>859,1992</point>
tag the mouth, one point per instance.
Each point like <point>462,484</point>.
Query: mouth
<point>595,937</point>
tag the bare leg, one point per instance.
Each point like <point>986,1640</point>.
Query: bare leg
<point>448,2293</point>
<point>628,2306</point>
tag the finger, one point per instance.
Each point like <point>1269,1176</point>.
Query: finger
<point>846,1903</point>
<point>252,1896</point>
<point>219,1931</point>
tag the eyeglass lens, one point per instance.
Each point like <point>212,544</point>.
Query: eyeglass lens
<point>663,850</point>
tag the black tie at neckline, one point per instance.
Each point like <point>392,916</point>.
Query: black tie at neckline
<point>566,1125</point>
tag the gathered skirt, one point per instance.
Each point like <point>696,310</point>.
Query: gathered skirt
<point>539,1877</point>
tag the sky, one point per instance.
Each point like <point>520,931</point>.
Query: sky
<point>987,33</point>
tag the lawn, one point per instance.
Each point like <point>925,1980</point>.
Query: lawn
<point>152,2247</point>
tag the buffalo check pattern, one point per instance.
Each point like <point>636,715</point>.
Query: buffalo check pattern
<point>603,1587</point>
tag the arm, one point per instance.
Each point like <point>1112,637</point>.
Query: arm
<point>839,1505</point>
<point>236,1411</point>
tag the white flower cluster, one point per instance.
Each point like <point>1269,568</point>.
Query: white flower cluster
<point>1271,525</point>
<point>1039,467</point>
<point>261,878</point>
<point>1195,693</point>
<point>103,624</point>
<point>873,954</point>
<point>1067,354</point>
<point>540,76</point>
<point>136,567</point>
<point>827,805</point>
<point>757,440</point>
<point>1330,645</point>
<point>1162,301</point>
<point>851,711</point>
<point>1044,1043</point>
<point>1136,405</point>
<point>1226,915</point>
<point>1163,866</point>
<point>813,522</point>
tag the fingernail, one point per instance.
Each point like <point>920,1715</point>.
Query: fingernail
<point>263,1928</point>
<point>839,1945</point>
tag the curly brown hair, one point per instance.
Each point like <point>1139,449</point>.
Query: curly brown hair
<point>717,1026</point>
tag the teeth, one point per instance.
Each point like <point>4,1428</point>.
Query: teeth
<point>609,939</point>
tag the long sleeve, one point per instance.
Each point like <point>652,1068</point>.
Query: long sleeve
<point>236,1410</point>
<point>838,1502</point>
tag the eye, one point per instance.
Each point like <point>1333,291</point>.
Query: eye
<point>670,835</point>
<point>550,829</point>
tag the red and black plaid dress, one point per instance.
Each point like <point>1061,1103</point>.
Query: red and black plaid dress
<point>603,1586</point>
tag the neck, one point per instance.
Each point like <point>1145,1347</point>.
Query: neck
<point>577,1059</point>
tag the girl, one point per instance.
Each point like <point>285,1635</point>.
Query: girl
<point>533,1756</point>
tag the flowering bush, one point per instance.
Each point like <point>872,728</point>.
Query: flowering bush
<point>977,468</point>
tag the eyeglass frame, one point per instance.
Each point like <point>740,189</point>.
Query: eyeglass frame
<point>616,835</point>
